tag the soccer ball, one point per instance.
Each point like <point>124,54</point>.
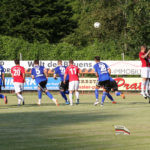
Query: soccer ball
<point>97,25</point>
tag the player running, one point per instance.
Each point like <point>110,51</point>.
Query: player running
<point>60,70</point>
<point>103,74</point>
<point>114,87</point>
<point>144,71</point>
<point>18,74</point>
<point>39,73</point>
<point>73,72</point>
<point>2,83</point>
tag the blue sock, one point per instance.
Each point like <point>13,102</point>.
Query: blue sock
<point>110,97</point>
<point>96,93</point>
<point>63,95</point>
<point>1,96</point>
<point>39,94</point>
<point>118,93</point>
<point>49,95</point>
<point>66,92</point>
<point>103,97</point>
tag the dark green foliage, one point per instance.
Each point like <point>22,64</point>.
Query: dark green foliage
<point>63,29</point>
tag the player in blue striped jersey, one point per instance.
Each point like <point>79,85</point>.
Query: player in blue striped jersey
<point>39,73</point>
<point>60,71</point>
<point>103,74</point>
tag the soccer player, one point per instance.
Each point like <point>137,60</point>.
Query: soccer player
<point>39,73</point>
<point>60,70</point>
<point>114,87</point>
<point>144,71</point>
<point>2,83</point>
<point>18,74</point>
<point>102,72</point>
<point>73,72</point>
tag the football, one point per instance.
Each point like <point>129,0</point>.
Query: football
<point>97,25</point>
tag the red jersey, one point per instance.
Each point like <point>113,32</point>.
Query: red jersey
<point>143,60</point>
<point>17,73</point>
<point>73,72</point>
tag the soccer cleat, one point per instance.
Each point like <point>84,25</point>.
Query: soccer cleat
<point>102,105</point>
<point>71,104</point>
<point>123,96</point>
<point>144,95</point>
<point>77,102</point>
<point>67,103</point>
<point>96,103</point>
<point>39,103</point>
<point>114,102</point>
<point>5,99</point>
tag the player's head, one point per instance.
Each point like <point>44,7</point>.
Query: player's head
<point>70,62</point>
<point>97,59</point>
<point>17,62</point>
<point>60,62</point>
<point>143,48</point>
<point>36,62</point>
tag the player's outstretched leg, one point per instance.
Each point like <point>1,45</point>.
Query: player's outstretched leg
<point>51,97</point>
<point>117,93</point>
<point>111,98</point>
<point>4,97</point>
<point>97,97</point>
<point>63,94</point>
<point>39,96</point>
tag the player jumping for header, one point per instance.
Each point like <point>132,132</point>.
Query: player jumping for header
<point>73,72</point>
<point>145,72</point>
<point>39,73</point>
<point>103,74</point>
<point>18,74</point>
<point>2,83</point>
<point>60,70</point>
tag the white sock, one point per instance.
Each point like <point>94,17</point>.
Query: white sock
<point>97,100</point>
<point>77,95</point>
<point>19,101</point>
<point>143,86</point>
<point>70,98</point>
<point>20,97</point>
<point>147,86</point>
<point>39,101</point>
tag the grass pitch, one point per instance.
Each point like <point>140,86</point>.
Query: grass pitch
<point>82,127</point>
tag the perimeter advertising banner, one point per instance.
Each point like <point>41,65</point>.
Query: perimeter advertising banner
<point>117,67</point>
<point>86,84</point>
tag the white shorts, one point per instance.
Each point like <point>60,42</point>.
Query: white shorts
<point>18,87</point>
<point>73,85</point>
<point>145,72</point>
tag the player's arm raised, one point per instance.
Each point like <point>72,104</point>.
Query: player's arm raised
<point>23,74</point>
<point>144,56</point>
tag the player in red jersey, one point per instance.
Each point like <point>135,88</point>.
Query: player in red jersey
<point>73,72</point>
<point>144,71</point>
<point>18,74</point>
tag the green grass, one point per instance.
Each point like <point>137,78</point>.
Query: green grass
<point>82,127</point>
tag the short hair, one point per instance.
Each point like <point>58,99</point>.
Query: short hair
<point>36,61</point>
<point>59,61</point>
<point>17,61</point>
<point>70,61</point>
<point>97,58</point>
